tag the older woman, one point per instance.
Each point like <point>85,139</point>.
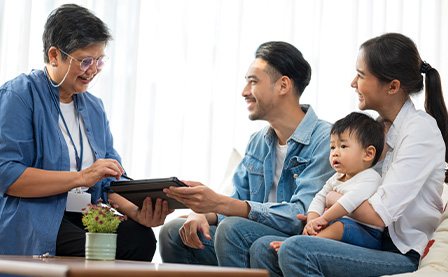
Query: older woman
<point>57,149</point>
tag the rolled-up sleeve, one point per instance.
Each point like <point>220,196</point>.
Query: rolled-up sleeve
<point>16,138</point>
<point>280,216</point>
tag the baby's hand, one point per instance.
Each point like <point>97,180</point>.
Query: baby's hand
<point>309,229</point>
<point>314,226</point>
<point>319,224</point>
<point>276,245</point>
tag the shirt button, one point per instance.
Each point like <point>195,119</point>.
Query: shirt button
<point>296,175</point>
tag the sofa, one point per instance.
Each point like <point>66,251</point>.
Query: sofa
<point>434,261</point>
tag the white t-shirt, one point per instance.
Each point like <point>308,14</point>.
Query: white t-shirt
<point>71,119</point>
<point>280,156</point>
<point>355,191</point>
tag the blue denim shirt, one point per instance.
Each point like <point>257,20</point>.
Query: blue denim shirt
<point>30,137</point>
<point>305,170</point>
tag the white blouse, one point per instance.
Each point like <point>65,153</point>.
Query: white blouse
<point>409,200</point>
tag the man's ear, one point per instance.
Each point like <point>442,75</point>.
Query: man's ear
<point>394,86</point>
<point>285,85</point>
<point>369,154</point>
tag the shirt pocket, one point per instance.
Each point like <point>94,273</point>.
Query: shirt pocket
<point>255,172</point>
<point>296,166</point>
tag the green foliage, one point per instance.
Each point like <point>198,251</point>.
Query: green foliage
<point>101,218</point>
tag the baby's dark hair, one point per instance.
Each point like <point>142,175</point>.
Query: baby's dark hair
<point>366,130</point>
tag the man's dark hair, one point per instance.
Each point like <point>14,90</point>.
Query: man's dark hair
<point>71,27</point>
<point>366,130</point>
<point>285,60</point>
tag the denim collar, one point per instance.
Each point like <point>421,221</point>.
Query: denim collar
<point>395,129</point>
<point>303,132</point>
<point>44,78</point>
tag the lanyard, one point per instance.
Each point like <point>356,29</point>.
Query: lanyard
<point>56,103</point>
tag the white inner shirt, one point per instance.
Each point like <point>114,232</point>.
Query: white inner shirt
<point>279,160</point>
<point>69,112</point>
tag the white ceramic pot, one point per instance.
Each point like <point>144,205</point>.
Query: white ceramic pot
<point>101,246</point>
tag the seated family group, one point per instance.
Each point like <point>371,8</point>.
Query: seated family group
<point>309,197</point>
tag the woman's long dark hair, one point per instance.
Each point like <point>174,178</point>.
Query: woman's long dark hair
<point>394,56</point>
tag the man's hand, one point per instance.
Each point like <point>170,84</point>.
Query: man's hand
<point>302,217</point>
<point>189,231</point>
<point>149,217</point>
<point>199,198</point>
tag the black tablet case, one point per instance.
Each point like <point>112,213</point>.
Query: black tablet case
<point>137,190</point>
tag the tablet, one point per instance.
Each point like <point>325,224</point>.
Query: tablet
<point>137,190</point>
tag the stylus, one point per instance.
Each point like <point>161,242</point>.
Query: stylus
<point>126,177</point>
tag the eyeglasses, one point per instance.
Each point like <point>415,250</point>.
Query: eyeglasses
<point>86,63</point>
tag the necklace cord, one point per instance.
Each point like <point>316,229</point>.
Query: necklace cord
<point>56,103</point>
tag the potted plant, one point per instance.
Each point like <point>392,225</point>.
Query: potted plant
<point>101,221</point>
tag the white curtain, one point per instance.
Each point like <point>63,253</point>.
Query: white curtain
<point>172,88</point>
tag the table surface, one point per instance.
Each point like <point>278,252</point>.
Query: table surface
<point>75,266</point>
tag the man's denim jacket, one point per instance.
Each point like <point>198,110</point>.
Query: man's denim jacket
<point>305,170</point>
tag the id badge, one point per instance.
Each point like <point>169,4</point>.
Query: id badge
<point>76,201</point>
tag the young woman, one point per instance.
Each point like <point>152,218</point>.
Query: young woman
<point>408,202</point>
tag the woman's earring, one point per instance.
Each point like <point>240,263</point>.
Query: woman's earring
<point>53,64</point>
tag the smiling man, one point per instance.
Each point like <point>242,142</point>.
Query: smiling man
<point>284,166</point>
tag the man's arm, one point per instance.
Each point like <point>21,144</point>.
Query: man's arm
<point>202,199</point>
<point>311,174</point>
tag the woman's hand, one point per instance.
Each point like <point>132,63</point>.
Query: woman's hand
<point>149,217</point>
<point>101,169</point>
